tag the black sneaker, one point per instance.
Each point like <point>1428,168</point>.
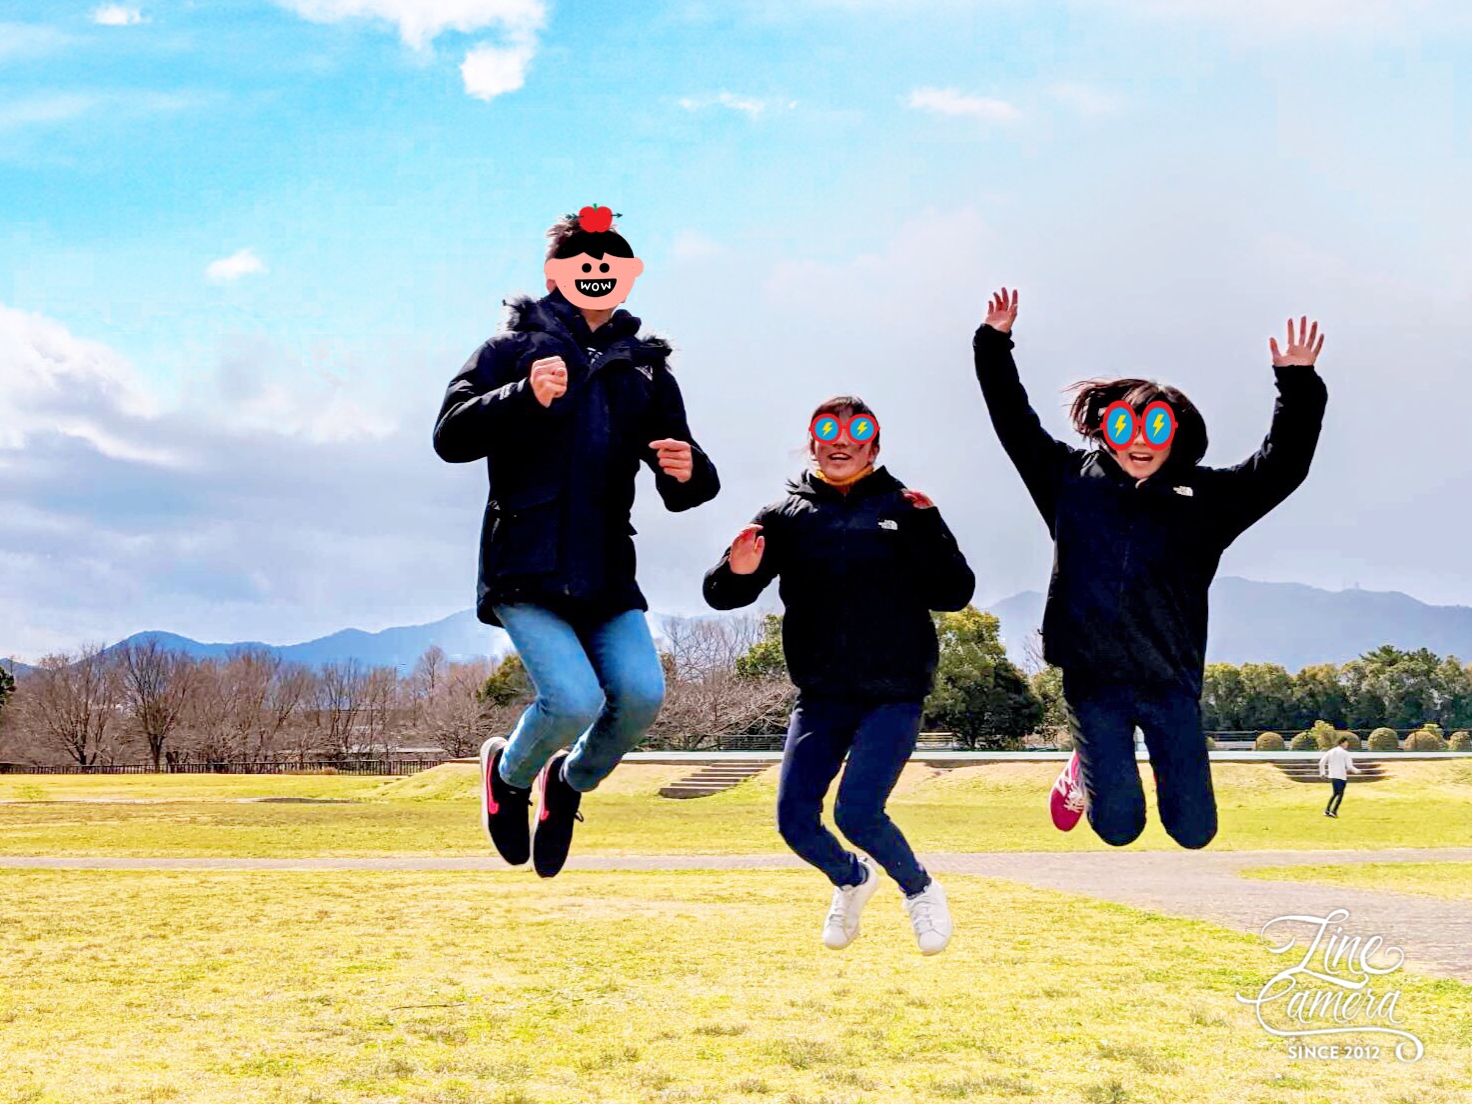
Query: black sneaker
<point>503,807</point>
<point>557,808</point>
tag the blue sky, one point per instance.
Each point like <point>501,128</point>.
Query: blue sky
<point>244,245</point>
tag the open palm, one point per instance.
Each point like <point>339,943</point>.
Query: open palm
<point>1001,312</point>
<point>1303,346</point>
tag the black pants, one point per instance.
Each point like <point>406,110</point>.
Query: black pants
<point>878,739</point>
<point>1103,719</point>
<point>1336,797</point>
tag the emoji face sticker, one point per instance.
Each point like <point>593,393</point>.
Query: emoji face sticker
<point>594,267</point>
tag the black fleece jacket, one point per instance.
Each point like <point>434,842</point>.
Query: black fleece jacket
<point>556,530</point>
<point>860,573</point>
<point>1132,564</point>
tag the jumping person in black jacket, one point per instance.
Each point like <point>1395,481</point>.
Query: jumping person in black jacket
<point>1139,527</point>
<point>563,406</point>
<point>862,562</point>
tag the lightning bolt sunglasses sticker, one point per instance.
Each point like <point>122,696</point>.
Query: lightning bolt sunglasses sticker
<point>859,427</point>
<point>1119,424</point>
<point>1160,424</point>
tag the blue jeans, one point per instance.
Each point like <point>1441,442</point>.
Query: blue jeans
<point>598,683</point>
<point>878,738</point>
<point>1103,720</point>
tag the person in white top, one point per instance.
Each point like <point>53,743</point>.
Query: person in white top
<point>1338,764</point>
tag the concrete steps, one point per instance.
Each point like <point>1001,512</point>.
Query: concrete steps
<point>1307,770</point>
<point>714,778</point>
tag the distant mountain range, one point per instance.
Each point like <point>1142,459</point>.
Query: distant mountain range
<point>1251,622</point>
<point>1292,624</point>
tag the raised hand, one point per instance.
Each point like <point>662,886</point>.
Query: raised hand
<point>1001,312</point>
<point>548,378</point>
<point>674,458</point>
<point>918,499</point>
<point>1303,347</point>
<point>746,550</point>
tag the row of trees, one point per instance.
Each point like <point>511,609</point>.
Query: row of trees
<point>1386,687</point>
<point>142,702</point>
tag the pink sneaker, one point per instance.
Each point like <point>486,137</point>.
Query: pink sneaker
<point>1068,801</point>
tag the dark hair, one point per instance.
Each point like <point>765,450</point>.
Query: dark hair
<point>842,404</point>
<point>566,238</point>
<point>1092,397</point>
<point>1344,739</point>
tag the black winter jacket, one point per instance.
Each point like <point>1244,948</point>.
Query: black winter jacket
<point>1132,564</point>
<point>556,529</point>
<point>860,573</point>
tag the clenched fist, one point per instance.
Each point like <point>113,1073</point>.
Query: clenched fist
<point>548,378</point>
<point>674,458</point>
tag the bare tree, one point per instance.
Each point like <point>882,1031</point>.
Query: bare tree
<point>209,712</point>
<point>156,685</point>
<point>74,702</point>
<point>265,693</point>
<point>341,695</point>
<point>380,701</point>
<point>702,645</point>
<point>452,717</point>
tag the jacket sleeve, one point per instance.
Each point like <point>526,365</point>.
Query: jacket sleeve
<point>1274,471</point>
<point>1324,763</point>
<point>1040,458</point>
<point>724,589</point>
<point>669,422</point>
<point>485,404</point>
<point>934,561</point>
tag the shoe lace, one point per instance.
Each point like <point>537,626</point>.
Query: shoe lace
<point>920,915</point>
<point>1076,800</point>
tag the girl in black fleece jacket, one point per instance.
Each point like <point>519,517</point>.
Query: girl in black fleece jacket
<point>1139,527</point>
<point>862,562</point>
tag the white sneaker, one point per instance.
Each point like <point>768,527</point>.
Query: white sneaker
<point>930,917</point>
<point>842,926</point>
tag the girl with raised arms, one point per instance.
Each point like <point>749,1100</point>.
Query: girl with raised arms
<point>1139,526</point>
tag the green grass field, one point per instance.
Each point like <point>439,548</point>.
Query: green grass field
<point>998,807</point>
<point>1448,880</point>
<point>231,987</point>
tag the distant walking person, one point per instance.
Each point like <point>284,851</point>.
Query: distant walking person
<point>563,405</point>
<point>1335,763</point>
<point>1139,526</point>
<point>862,561</point>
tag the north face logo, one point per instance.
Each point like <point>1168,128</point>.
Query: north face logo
<point>888,523</point>
<point>645,371</point>
<point>1187,491</point>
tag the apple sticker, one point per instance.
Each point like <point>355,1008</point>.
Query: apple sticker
<point>594,268</point>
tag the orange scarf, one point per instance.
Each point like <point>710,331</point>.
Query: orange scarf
<point>842,484</point>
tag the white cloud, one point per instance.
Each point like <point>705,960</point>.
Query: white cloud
<point>117,15</point>
<point>948,101</point>
<point>491,71</point>
<point>241,263</point>
<point>745,104</point>
<point>269,500</point>
<point>420,22</point>
<point>25,40</point>
<point>1085,99</point>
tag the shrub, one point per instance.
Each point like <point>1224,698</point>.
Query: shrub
<point>1268,741</point>
<point>1324,735</point>
<point>1064,740</point>
<point>1210,744</point>
<point>1353,737</point>
<point>1434,729</point>
<point>1384,739</point>
<point>1425,740</point>
<point>1304,741</point>
<point>1460,741</point>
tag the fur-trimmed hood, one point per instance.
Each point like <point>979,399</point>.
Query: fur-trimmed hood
<point>553,312</point>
